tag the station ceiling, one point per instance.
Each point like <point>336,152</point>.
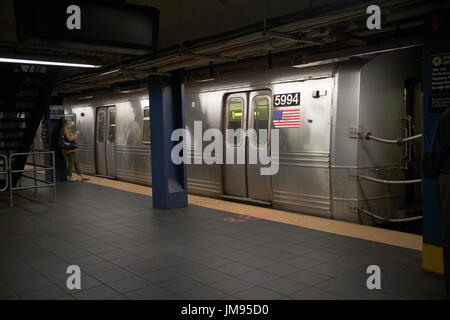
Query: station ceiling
<point>212,37</point>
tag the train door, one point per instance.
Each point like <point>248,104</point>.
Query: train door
<point>247,111</point>
<point>259,187</point>
<point>105,141</point>
<point>234,175</point>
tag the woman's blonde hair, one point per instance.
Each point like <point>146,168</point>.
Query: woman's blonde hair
<point>65,121</point>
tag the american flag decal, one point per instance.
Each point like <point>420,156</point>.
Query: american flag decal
<point>286,118</point>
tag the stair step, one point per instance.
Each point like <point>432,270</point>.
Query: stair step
<point>23,84</point>
<point>25,75</point>
<point>12,129</point>
<point>8,150</point>
<point>14,120</point>
<point>12,138</point>
<point>18,103</point>
<point>5,114</point>
<point>16,109</point>
<point>14,97</point>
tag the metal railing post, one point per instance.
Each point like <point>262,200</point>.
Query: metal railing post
<point>34,175</point>
<point>5,173</point>
<point>54,176</point>
<point>11,202</point>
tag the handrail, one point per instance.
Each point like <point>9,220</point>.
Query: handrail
<point>5,173</point>
<point>40,180</point>
<point>399,141</point>
<point>390,181</point>
<point>37,165</point>
<point>40,186</point>
<point>35,186</point>
<point>31,153</point>
<point>390,220</point>
<point>32,170</point>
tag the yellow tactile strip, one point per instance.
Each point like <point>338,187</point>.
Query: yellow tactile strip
<point>395,238</point>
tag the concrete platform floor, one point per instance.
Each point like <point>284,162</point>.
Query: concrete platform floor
<point>128,250</point>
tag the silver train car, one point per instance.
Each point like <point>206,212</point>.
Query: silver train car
<point>320,159</point>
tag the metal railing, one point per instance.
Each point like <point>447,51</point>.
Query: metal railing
<point>386,219</point>
<point>36,168</point>
<point>386,183</point>
<point>407,157</point>
<point>390,181</point>
<point>4,173</point>
<point>399,141</point>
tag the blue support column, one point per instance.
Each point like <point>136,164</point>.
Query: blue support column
<point>169,182</point>
<point>51,127</point>
<point>436,44</point>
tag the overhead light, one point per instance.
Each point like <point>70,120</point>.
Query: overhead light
<point>85,98</point>
<point>132,90</point>
<point>48,63</point>
<point>386,50</point>
<point>317,63</point>
<point>109,72</point>
<point>205,80</point>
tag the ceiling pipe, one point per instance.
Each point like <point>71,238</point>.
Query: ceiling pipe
<point>208,57</point>
<point>283,36</point>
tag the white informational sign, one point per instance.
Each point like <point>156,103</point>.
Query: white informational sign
<point>56,112</point>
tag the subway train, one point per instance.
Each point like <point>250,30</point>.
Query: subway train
<point>322,153</point>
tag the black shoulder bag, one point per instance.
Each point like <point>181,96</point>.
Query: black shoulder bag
<point>66,144</point>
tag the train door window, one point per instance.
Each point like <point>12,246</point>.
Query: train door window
<point>261,118</point>
<point>234,119</point>
<point>72,117</point>
<point>101,127</point>
<point>146,126</point>
<point>112,125</point>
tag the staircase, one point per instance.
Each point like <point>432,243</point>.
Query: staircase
<point>24,97</point>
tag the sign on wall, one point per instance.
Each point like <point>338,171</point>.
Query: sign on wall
<point>55,112</point>
<point>440,82</point>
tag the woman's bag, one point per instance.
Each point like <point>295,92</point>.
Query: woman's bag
<point>433,158</point>
<point>66,144</point>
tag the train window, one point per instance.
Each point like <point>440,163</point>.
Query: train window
<point>72,117</point>
<point>112,125</point>
<point>146,126</point>
<point>235,110</point>
<point>261,118</point>
<point>101,127</point>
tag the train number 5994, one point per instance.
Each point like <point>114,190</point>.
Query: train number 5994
<point>286,99</point>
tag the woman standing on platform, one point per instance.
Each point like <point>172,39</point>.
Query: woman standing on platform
<point>70,154</point>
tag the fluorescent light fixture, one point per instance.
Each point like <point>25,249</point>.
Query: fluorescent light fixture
<point>132,90</point>
<point>386,50</point>
<point>109,72</point>
<point>204,80</point>
<point>48,63</point>
<point>317,63</point>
